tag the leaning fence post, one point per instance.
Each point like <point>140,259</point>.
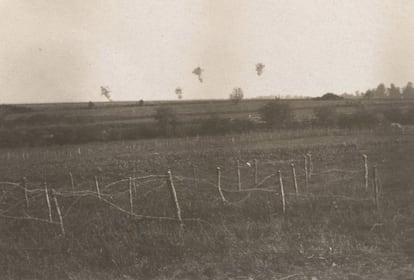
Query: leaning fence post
<point>175,199</point>
<point>282,193</point>
<point>97,188</point>
<point>310,166</point>
<point>219,185</point>
<point>48,203</point>
<point>255,172</point>
<point>194,176</point>
<point>306,172</point>
<point>62,228</point>
<point>365,157</point>
<point>131,205</point>
<point>134,183</point>
<point>238,176</point>
<point>26,197</point>
<point>295,181</point>
<point>376,190</point>
<point>72,183</point>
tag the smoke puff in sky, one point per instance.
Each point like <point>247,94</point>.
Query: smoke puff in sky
<point>63,51</point>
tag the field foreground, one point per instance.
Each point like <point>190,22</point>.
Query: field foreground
<point>118,219</point>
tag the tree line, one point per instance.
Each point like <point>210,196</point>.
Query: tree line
<point>393,91</point>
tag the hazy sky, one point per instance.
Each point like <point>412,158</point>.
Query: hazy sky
<point>61,50</point>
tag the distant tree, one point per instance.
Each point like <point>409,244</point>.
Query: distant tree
<point>346,95</point>
<point>179,93</point>
<point>380,91</point>
<point>369,94</point>
<point>408,91</point>
<point>141,102</point>
<point>276,113</point>
<point>166,119</point>
<point>394,92</point>
<point>91,105</point>
<point>236,95</point>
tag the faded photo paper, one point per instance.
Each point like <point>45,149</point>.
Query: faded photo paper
<point>206,139</point>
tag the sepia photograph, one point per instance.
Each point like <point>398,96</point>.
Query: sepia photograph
<point>207,139</point>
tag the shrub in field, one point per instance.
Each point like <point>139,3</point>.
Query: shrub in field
<point>214,125</point>
<point>91,105</point>
<point>276,113</point>
<point>409,116</point>
<point>325,116</point>
<point>395,115</point>
<point>242,125</point>
<point>167,120</point>
<point>361,118</point>
<point>329,96</point>
<point>140,131</point>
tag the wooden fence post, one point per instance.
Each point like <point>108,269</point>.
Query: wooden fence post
<point>175,199</point>
<point>134,183</point>
<point>62,228</point>
<point>131,203</point>
<point>194,176</point>
<point>26,197</point>
<point>72,183</point>
<point>238,176</point>
<point>306,172</point>
<point>375,185</point>
<point>48,203</point>
<point>255,172</point>
<point>365,158</point>
<point>97,188</point>
<point>219,185</point>
<point>295,181</point>
<point>282,192</point>
<point>310,166</point>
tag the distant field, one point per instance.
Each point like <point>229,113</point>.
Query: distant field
<point>75,114</point>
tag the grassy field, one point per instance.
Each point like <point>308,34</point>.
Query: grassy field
<point>332,230</point>
<point>76,123</point>
<point>78,114</point>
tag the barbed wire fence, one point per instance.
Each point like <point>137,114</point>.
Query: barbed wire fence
<point>292,180</point>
